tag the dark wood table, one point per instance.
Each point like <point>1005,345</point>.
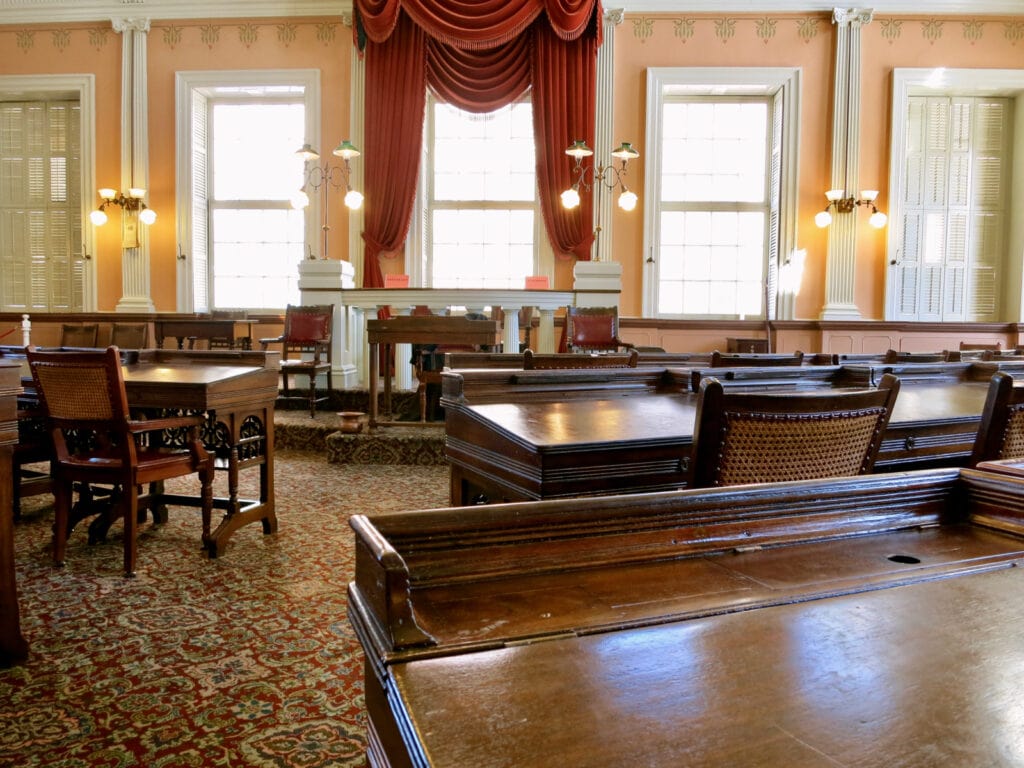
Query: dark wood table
<point>383,335</point>
<point>236,390</point>
<point>184,328</point>
<point>13,647</point>
<point>527,435</point>
<point>862,621</point>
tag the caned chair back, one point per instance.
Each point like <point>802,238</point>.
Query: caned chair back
<point>593,329</point>
<point>82,391</point>
<point>765,437</point>
<point>79,335</point>
<point>1001,432</point>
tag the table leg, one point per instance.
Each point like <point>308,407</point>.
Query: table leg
<point>374,362</point>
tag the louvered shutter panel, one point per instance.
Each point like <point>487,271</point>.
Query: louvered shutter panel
<point>40,207</point>
<point>987,212</point>
<point>200,205</point>
<point>774,206</point>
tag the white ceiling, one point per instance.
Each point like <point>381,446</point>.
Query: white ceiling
<point>42,11</point>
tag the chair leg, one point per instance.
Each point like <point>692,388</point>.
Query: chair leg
<point>312,395</point>
<point>61,508</point>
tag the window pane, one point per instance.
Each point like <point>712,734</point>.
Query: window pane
<point>256,255</point>
<point>254,150</point>
<point>484,165</point>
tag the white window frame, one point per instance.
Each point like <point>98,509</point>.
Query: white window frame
<point>780,82</point>
<point>418,256</point>
<point>82,88</point>
<point>932,81</point>
<point>204,83</point>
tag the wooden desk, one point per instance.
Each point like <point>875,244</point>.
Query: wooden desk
<point>13,647</point>
<point>200,328</point>
<point>823,623</point>
<point>236,390</point>
<point>442,331</point>
<point>517,436</point>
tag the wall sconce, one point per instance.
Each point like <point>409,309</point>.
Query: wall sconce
<point>843,203</point>
<point>135,211</point>
<point>323,177</point>
<point>600,175</point>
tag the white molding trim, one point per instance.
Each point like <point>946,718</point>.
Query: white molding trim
<point>914,7</point>
<point>84,87</point>
<point>50,11</point>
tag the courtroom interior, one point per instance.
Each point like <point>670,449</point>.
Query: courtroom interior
<point>511,383</point>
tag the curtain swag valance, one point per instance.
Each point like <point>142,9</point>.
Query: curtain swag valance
<point>476,24</point>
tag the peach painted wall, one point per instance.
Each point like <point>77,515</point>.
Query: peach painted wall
<point>294,43</point>
<point>700,40</point>
<point>806,41</point>
<point>889,42</point>
<point>81,49</point>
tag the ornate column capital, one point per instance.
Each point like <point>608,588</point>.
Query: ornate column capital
<point>859,16</point>
<point>615,15</point>
<point>130,25</point>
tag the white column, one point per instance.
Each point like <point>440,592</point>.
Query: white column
<point>604,141</point>
<point>357,221</point>
<point>134,159</point>
<point>841,260</point>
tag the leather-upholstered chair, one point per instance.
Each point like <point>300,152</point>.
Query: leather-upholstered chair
<point>307,332</point>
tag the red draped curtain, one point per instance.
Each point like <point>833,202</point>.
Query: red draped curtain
<point>478,55</point>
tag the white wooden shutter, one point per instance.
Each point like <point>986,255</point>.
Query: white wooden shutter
<point>200,245</point>
<point>987,214</point>
<point>41,266</point>
<point>774,206</point>
<point>952,217</point>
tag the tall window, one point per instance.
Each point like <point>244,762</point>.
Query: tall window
<point>256,237</point>
<point>719,171</point>
<point>244,240</point>
<point>714,207</point>
<point>481,220</point>
<point>41,264</point>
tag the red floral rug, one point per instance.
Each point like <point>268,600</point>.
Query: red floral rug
<point>246,660</point>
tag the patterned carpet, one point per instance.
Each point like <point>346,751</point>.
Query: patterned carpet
<point>246,660</point>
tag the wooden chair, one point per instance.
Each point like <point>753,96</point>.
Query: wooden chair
<point>747,360</point>
<point>129,335</point>
<point>96,442</point>
<point>978,346</point>
<point>893,356</point>
<point>759,437</point>
<point>34,447</point>
<point>79,335</point>
<point>536,362</point>
<point>1001,432</point>
<point>593,329</point>
<point>307,332</point>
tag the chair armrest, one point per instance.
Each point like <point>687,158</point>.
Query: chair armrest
<point>171,422</point>
<point>275,340</point>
